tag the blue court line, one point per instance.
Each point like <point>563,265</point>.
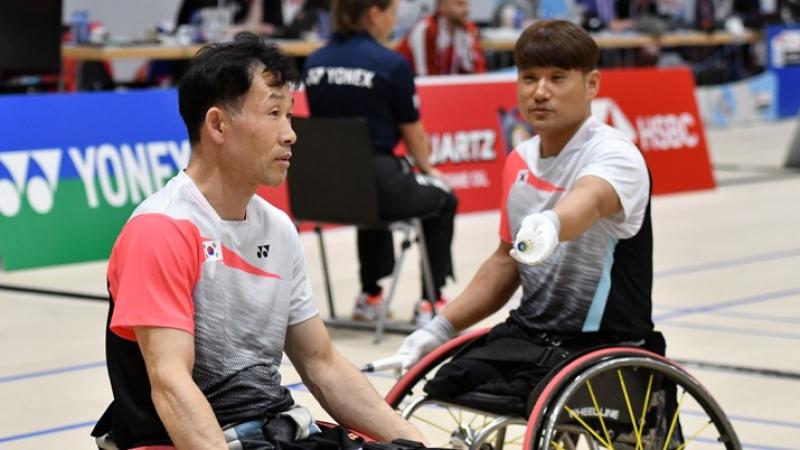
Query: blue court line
<point>17,437</point>
<point>56,371</point>
<point>680,312</point>
<point>754,316</point>
<point>75,368</point>
<point>736,330</point>
<point>740,315</point>
<point>728,263</point>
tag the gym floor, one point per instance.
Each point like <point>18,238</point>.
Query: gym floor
<point>726,296</point>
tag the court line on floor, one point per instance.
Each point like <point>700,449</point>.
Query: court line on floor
<point>53,292</point>
<point>73,368</point>
<point>48,372</point>
<point>736,330</point>
<point>682,312</point>
<point>744,370</point>
<point>724,264</point>
<point>739,315</point>
<point>60,429</point>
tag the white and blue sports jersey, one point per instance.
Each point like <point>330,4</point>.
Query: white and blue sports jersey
<point>601,282</point>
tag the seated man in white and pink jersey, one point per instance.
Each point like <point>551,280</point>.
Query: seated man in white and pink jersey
<point>444,43</point>
<point>574,233</point>
<point>208,284</point>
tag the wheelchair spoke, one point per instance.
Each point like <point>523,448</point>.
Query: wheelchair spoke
<point>694,436</point>
<point>515,441</point>
<point>643,418</point>
<point>472,421</point>
<point>630,409</point>
<point>428,422</point>
<point>588,428</point>
<point>557,445</point>
<point>597,409</point>
<point>674,420</point>
<point>452,416</point>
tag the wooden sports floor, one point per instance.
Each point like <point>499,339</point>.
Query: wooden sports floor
<point>726,296</point>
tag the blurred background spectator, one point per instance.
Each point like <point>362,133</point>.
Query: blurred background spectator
<point>282,19</point>
<point>445,42</point>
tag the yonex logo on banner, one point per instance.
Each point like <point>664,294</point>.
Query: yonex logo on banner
<point>127,172</point>
<point>32,175</point>
<point>120,174</point>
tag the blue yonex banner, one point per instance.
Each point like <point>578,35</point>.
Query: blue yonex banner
<point>73,166</point>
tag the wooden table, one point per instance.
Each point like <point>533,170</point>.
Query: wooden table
<point>155,51</point>
<point>304,48</point>
<point>625,40</point>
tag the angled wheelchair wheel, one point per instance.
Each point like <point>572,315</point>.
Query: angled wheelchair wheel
<point>448,424</point>
<point>626,398</point>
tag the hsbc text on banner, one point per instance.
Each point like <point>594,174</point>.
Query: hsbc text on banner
<point>657,109</point>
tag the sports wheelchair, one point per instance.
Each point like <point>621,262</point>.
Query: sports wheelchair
<point>612,397</point>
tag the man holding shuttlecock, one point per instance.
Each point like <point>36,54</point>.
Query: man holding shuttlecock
<point>575,234</point>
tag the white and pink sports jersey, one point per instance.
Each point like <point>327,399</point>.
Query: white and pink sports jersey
<point>599,282</point>
<point>235,285</point>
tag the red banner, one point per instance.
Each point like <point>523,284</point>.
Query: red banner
<point>658,110</point>
<point>473,121</point>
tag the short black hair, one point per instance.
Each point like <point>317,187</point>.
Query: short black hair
<point>220,74</point>
<point>556,43</point>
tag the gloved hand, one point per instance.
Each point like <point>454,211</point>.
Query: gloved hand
<point>423,341</point>
<point>537,238</point>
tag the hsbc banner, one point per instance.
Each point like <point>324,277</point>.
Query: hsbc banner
<point>473,122</point>
<point>657,109</point>
<point>73,166</point>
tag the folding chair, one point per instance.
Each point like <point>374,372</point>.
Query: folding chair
<point>332,180</point>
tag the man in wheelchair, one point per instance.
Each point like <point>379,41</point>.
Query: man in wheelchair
<point>208,286</point>
<point>575,233</point>
<point>578,362</point>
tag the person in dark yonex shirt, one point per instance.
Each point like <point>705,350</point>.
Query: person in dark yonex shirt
<point>355,75</point>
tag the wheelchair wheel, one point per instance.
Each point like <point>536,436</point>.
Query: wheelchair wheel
<point>447,424</point>
<point>626,398</point>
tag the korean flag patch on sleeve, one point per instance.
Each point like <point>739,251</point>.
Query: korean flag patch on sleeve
<point>212,250</point>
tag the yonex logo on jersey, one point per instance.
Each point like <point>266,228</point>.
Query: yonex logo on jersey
<point>263,251</point>
<point>212,250</point>
<point>341,76</point>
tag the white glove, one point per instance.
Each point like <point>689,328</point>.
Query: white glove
<point>537,238</point>
<point>423,341</point>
